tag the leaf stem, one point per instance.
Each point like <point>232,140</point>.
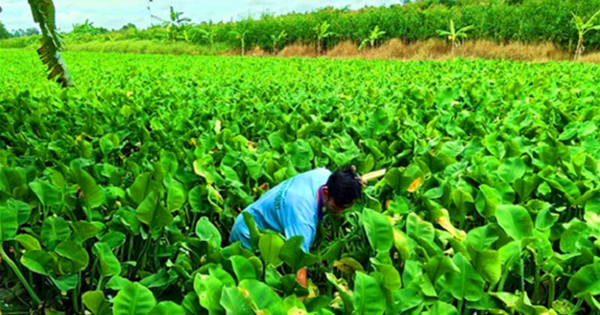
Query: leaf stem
<point>17,272</point>
<point>552,291</point>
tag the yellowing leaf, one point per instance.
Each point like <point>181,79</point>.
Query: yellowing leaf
<point>444,222</point>
<point>415,184</point>
<point>348,265</point>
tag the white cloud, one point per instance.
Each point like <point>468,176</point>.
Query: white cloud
<point>113,14</point>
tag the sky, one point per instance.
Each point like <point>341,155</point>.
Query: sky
<point>113,14</point>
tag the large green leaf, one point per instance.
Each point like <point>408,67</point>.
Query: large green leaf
<point>465,284</point>
<point>134,299</point>
<point>93,195</point>
<point>481,238</point>
<point>379,230</point>
<point>167,308</point>
<point>243,268</point>
<point>261,297</point>
<point>152,213</point>
<point>438,266</point>
<point>54,231</point>
<point>292,254</point>
<point>109,264</point>
<point>28,242</point>
<point>48,194</point>
<point>441,308</point>
<point>207,232</point>
<point>209,288</point>
<point>96,303</point>
<point>8,223</point>
<point>234,302</point>
<point>76,258</point>
<point>515,220</point>
<point>367,296</point>
<point>39,261</point>
<point>511,169</point>
<point>270,246</point>
<point>142,187</point>
<point>586,280</point>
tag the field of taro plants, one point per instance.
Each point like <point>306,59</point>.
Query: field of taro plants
<point>117,196</point>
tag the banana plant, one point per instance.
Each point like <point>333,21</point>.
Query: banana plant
<point>208,36</point>
<point>582,29</point>
<point>241,36</point>
<point>453,35</point>
<point>322,32</point>
<point>375,35</point>
<point>44,14</point>
<point>277,40</point>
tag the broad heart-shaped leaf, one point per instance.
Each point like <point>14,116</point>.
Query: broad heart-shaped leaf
<point>379,230</point>
<point>84,230</point>
<point>96,303</point>
<point>23,210</point>
<point>109,264</point>
<point>487,200</point>
<point>465,284</point>
<point>48,194</point>
<point>76,258</point>
<point>511,169</point>
<point>441,308</point>
<point>368,296</point>
<point>28,242</point>
<point>403,300</point>
<point>292,254</point>
<point>262,297</point>
<point>270,246</point>
<point>198,198</point>
<point>515,221</point>
<point>152,213</point>
<point>54,231</point>
<point>167,308</point>
<point>243,268</point>
<point>207,232</point>
<point>134,299</point>
<point>39,261</point>
<point>66,283</point>
<point>209,290</point>
<point>481,238</point>
<point>9,224</point>
<point>569,239</point>
<point>142,187</point>
<point>439,266</point>
<point>488,265</point>
<point>586,280</point>
<point>175,198</point>
<point>234,302</point>
<point>93,195</point>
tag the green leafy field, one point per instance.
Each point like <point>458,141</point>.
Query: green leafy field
<point>116,196</point>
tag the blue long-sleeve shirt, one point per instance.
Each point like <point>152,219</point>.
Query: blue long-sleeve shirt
<point>290,208</point>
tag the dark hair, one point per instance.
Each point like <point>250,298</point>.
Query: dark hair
<point>344,186</point>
